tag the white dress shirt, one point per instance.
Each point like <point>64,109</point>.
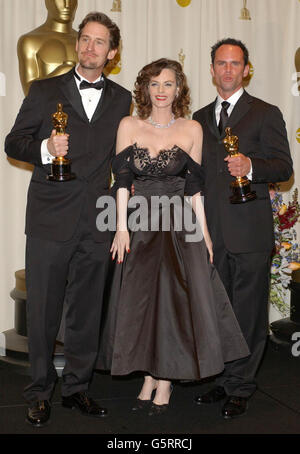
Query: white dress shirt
<point>90,98</point>
<point>233,99</point>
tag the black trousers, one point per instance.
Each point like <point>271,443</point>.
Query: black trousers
<point>246,279</point>
<point>75,272</point>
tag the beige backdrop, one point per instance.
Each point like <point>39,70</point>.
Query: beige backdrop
<point>151,29</point>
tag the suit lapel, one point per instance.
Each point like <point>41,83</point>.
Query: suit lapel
<point>240,109</point>
<point>70,90</point>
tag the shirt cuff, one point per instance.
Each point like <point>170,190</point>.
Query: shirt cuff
<point>249,175</point>
<point>46,157</point>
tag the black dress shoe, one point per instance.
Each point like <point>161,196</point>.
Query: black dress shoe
<point>141,404</point>
<point>212,396</point>
<point>234,406</point>
<point>82,402</point>
<point>38,415</point>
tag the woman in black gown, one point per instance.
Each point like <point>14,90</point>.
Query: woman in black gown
<point>168,315</point>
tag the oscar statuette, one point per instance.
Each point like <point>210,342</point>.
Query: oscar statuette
<point>61,166</point>
<point>241,189</point>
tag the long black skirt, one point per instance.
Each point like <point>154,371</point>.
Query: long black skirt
<point>168,313</point>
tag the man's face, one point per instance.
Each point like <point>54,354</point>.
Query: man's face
<point>93,47</point>
<point>228,69</point>
<point>62,10</point>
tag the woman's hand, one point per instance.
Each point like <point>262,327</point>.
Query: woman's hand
<point>211,254</point>
<point>120,244</point>
<point>209,246</point>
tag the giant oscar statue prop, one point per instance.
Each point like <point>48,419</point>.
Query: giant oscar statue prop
<point>61,166</point>
<point>241,186</point>
<point>49,50</point>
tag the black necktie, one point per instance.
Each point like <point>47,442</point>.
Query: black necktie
<point>97,85</point>
<point>223,116</point>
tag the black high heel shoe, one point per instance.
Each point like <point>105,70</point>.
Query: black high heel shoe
<point>157,410</point>
<point>141,404</point>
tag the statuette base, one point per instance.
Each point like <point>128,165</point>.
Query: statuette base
<point>61,170</point>
<point>241,191</point>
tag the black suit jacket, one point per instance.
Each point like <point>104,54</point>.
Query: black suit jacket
<point>246,227</point>
<point>54,208</point>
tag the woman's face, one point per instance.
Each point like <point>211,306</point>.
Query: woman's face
<point>163,89</point>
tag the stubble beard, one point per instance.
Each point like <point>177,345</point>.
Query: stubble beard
<point>88,65</point>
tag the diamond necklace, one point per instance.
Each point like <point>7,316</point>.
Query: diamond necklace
<point>159,125</point>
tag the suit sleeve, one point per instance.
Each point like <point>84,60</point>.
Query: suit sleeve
<point>274,163</point>
<point>196,116</point>
<point>21,142</point>
<point>129,102</point>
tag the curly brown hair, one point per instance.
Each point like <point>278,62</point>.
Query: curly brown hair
<point>180,106</point>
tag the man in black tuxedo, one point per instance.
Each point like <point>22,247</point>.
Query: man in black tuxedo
<point>66,256</point>
<point>242,234</point>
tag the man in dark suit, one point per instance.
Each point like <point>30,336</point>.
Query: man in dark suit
<point>242,234</point>
<point>66,256</point>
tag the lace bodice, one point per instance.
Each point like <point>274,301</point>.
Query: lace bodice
<point>168,167</point>
<point>157,165</point>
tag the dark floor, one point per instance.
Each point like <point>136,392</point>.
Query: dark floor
<point>274,408</point>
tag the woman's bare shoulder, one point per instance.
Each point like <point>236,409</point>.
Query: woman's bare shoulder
<point>191,125</point>
<point>126,121</point>
<point>194,125</point>
<point>130,122</point>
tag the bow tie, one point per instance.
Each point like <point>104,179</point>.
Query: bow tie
<point>97,85</point>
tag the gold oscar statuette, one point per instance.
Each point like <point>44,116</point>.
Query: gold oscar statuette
<point>116,6</point>
<point>181,58</point>
<point>241,190</point>
<point>297,60</point>
<point>61,166</point>
<point>245,13</point>
<point>297,65</point>
<point>50,49</point>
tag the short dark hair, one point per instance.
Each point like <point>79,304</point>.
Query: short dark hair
<point>103,19</point>
<point>233,42</point>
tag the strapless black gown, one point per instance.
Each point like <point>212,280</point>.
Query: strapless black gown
<point>168,313</point>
